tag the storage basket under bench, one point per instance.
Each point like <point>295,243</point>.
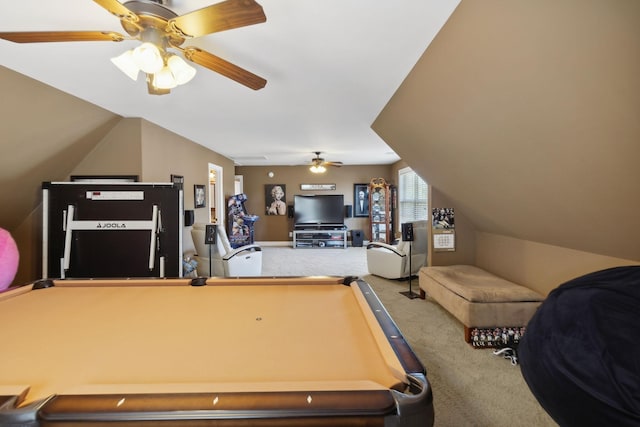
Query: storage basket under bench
<point>477,298</point>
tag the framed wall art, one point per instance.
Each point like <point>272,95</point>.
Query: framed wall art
<point>307,187</point>
<point>178,180</point>
<point>275,197</point>
<point>360,199</point>
<point>199,196</point>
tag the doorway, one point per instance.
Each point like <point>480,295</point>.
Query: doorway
<point>238,184</point>
<point>216,195</point>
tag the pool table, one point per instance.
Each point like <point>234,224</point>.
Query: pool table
<point>289,351</point>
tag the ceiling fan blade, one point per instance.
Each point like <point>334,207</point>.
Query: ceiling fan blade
<point>118,9</point>
<point>62,36</point>
<point>224,67</point>
<point>218,17</point>
<point>336,164</point>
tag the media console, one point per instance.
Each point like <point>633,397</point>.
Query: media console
<point>320,237</point>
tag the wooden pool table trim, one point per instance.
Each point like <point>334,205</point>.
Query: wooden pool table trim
<point>198,281</point>
<point>373,407</point>
<point>242,404</point>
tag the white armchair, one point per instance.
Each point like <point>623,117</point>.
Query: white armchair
<point>244,261</point>
<point>392,261</point>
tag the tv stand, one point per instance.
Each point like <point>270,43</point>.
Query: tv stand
<point>320,236</point>
<point>302,227</point>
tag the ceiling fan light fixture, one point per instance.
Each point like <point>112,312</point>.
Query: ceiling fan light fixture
<point>148,58</point>
<point>127,65</point>
<point>318,169</point>
<point>182,72</point>
<point>164,79</point>
<point>158,28</point>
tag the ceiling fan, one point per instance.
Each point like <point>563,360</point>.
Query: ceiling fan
<point>318,164</point>
<point>160,29</point>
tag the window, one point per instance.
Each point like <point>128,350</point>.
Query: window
<point>413,197</point>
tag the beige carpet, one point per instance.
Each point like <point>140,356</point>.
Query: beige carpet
<point>471,387</point>
<point>286,261</point>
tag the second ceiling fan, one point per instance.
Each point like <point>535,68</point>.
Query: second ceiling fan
<point>318,164</point>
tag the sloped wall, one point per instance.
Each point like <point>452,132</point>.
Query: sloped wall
<point>524,116</point>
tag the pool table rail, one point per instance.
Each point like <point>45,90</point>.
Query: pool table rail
<point>295,408</point>
<point>401,347</point>
<point>196,281</point>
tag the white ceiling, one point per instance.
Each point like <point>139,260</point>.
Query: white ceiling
<point>331,66</point>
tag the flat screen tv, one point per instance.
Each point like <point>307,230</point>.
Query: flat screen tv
<point>323,209</point>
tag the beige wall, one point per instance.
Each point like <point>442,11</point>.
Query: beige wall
<point>538,266</point>
<point>523,116</point>
<point>44,133</point>
<point>277,228</point>
<point>526,115</point>
<point>28,237</point>
<point>118,153</point>
<point>165,153</point>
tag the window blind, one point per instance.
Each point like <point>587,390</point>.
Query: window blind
<point>413,196</point>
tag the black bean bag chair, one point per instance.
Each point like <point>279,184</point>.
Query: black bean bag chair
<point>581,353</point>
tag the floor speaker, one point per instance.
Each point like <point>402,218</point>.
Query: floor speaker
<point>407,236</point>
<point>290,211</point>
<point>407,232</point>
<point>210,235</point>
<point>357,238</point>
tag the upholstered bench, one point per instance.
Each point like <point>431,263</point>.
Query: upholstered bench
<point>477,298</point>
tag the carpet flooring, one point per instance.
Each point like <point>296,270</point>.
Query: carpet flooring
<point>471,387</point>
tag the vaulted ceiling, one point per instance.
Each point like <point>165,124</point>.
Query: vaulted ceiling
<point>330,67</point>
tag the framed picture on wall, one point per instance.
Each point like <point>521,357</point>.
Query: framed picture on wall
<point>178,180</point>
<point>275,197</point>
<point>360,199</point>
<point>199,196</point>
